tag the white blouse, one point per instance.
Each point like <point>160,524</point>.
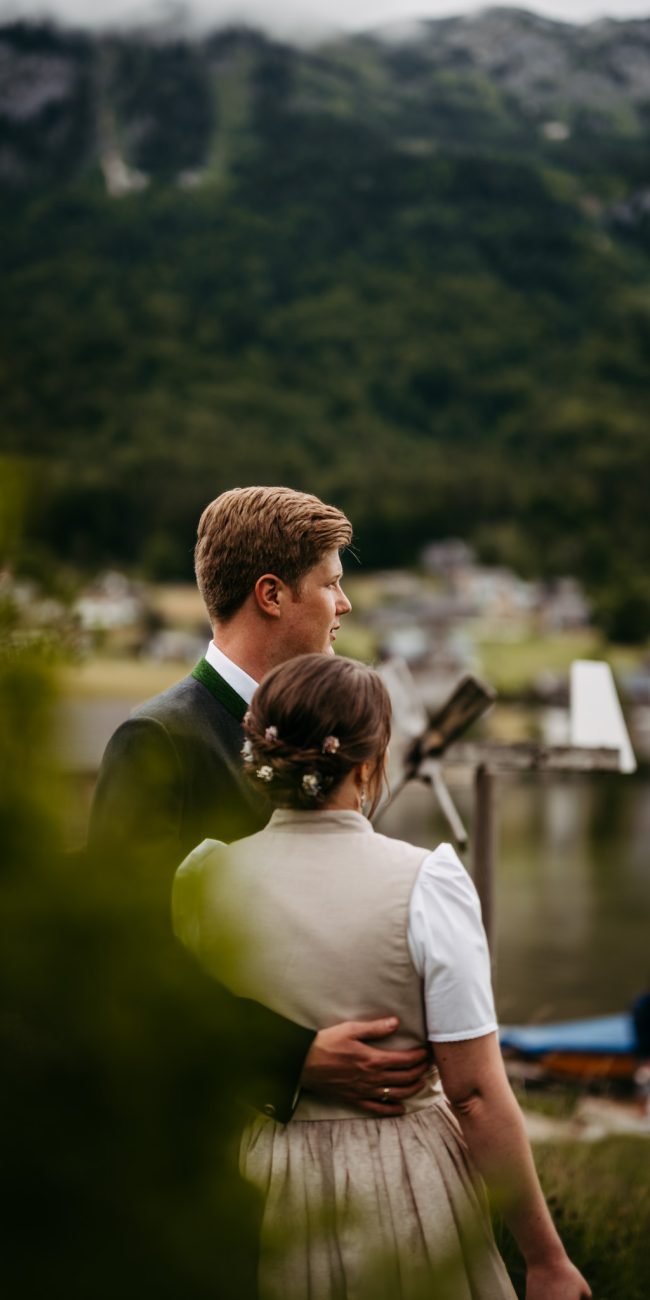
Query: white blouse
<point>449,950</point>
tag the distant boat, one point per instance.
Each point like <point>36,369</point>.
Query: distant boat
<point>597,1047</point>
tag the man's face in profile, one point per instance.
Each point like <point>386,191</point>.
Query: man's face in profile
<point>313,617</point>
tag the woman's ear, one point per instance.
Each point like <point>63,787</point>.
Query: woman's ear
<point>362,775</point>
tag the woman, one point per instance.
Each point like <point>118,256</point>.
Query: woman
<point>329,921</point>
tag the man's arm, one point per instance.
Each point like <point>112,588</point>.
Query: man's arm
<point>342,1064</point>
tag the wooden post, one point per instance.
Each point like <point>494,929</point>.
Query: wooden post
<point>485,846</point>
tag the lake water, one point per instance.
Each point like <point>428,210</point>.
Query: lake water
<point>572,889</point>
<point>572,897</point>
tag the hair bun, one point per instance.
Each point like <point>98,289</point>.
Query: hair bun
<point>311,722</point>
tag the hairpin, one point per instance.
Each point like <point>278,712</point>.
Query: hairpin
<point>265,773</point>
<point>330,745</point>
<point>247,751</point>
<point>311,783</point>
<point>271,733</point>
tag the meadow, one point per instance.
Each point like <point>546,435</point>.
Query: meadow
<point>599,1194</point>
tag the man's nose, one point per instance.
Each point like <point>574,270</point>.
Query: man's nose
<point>343,605</point>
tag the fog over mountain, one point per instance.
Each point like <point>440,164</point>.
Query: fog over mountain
<point>300,17</point>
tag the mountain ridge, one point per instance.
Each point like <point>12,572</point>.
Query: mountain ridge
<point>383,273</point>
<point>539,69</point>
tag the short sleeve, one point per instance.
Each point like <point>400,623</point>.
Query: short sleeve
<point>449,950</point>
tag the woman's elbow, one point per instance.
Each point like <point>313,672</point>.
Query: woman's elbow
<point>467,1102</point>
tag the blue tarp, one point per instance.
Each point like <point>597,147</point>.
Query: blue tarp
<point>612,1035</point>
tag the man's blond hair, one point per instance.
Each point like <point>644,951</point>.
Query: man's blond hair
<point>250,531</point>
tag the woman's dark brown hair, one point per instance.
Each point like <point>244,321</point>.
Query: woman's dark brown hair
<point>312,720</point>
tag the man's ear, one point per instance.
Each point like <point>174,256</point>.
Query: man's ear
<point>269,591</point>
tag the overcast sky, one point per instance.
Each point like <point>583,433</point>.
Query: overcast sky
<point>303,16</point>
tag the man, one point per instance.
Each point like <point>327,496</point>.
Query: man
<point>268,567</point>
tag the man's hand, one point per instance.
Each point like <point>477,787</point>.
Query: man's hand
<point>342,1065</point>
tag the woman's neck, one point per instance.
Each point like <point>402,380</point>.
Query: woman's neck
<point>346,796</point>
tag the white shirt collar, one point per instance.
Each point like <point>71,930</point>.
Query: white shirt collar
<point>235,676</point>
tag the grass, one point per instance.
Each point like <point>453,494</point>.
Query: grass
<point>106,678</point>
<point>510,668</point>
<point>513,666</point>
<point>356,642</point>
<point>599,1194</point>
<point>557,1102</point>
<point>179,604</point>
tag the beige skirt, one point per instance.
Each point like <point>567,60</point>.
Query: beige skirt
<point>372,1209</point>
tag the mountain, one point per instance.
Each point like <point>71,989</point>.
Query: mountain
<point>410,270</point>
<point>544,65</point>
<point>70,100</point>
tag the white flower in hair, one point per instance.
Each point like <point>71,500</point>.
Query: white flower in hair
<point>331,744</point>
<point>311,783</point>
<point>271,733</point>
<point>265,773</point>
<point>247,751</point>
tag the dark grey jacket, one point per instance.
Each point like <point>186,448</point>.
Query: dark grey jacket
<point>172,776</point>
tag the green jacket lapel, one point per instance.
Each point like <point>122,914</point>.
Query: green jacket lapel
<point>210,678</point>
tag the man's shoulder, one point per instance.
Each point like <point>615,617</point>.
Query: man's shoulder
<point>183,697</point>
<point>187,714</point>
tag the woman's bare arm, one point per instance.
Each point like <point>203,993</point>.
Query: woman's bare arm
<point>476,1084</point>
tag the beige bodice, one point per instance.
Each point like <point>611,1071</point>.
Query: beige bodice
<point>310,917</point>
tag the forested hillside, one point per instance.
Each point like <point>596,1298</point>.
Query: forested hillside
<point>412,274</point>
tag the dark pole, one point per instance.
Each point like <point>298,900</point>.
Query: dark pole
<point>485,847</point>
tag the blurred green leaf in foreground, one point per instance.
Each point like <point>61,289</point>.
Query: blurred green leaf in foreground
<point>117,1106</point>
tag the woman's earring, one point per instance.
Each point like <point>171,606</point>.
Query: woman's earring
<point>363,794</point>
